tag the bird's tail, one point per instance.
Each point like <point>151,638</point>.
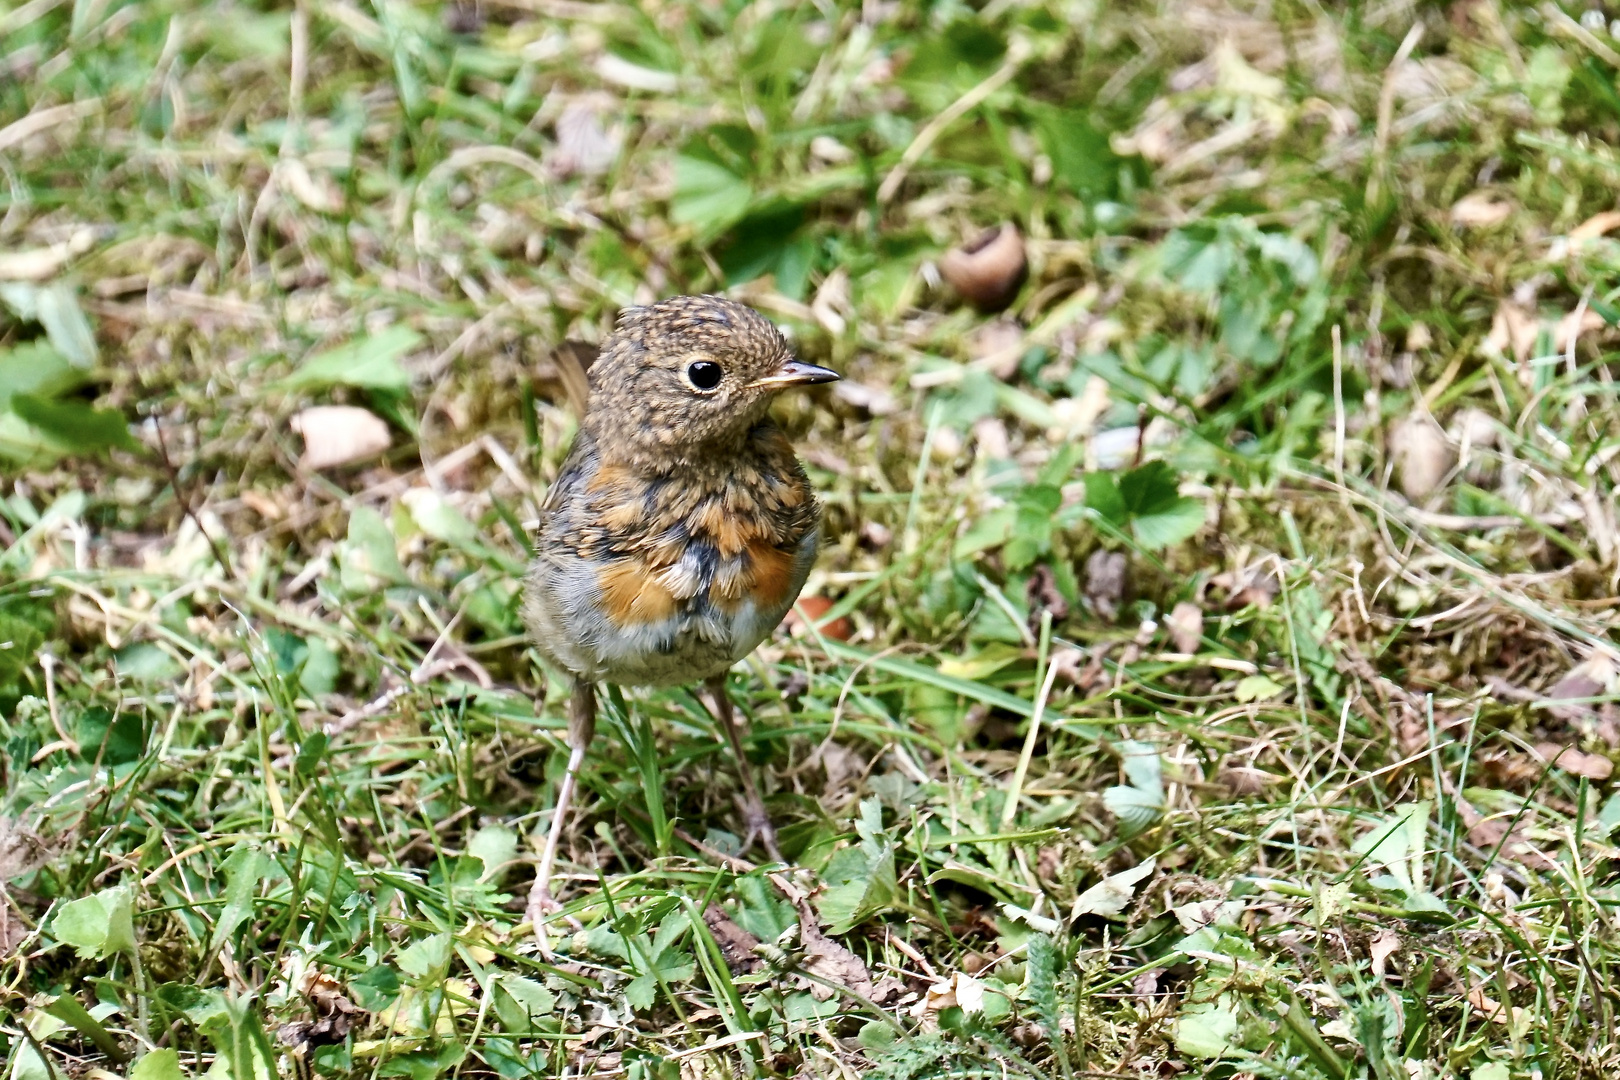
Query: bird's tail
<point>573,360</point>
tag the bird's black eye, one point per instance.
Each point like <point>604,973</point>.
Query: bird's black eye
<point>704,375</point>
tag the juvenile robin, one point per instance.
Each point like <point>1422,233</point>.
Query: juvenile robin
<point>681,526</point>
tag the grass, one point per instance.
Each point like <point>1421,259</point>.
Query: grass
<point>1228,684</point>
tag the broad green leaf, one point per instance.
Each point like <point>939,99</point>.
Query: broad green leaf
<point>35,367</point>
<point>495,846</point>
<point>1135,809</point>
<point>425,957</point>
<point>66,325</point>
<point>158,1065</point>
<point>369,363</point>
<point>708,195</point>
<point>1144,769</point>
<point>860,881</point>
<point>368,556</point>
<point>99,925</point>
<point>1208,1029</point>
<point>74,427</point>
<point>1256,688</point>
<point>436,516</point>
<point>518,1001</point>
<point>1103,496</point>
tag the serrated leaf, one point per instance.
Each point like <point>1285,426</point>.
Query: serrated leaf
<point>437,517</point>
<point>1169,526</point>
<point>424,957</point>
<point>1103,496</point>
<point>368,363</point>
<point>1143,767</point>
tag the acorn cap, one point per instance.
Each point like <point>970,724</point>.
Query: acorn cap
<point>988,270</point>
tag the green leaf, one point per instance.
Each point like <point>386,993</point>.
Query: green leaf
<point>34,367</point>
<point>1208,1029</point>
<point>158,1065</point>
<point>66,325</point>
<point>369,363</point>
<point>495,846</point>
<point>1082,158</point>
<point>1103,496</point>
<point>98,926</point>
<point>519,1000</point>
<point>426,957</point>
<point>245,868</point>
<point>368,557</point>
<point>860,881</point>
<point>1160,517</point>
<point>74,427</point>
<point>1136,810</point>
<point>1256,688</point>
<point>708,195</point>
<point>437,517</point>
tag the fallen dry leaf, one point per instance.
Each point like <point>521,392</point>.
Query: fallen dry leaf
<point>1575,762</point>
<point>736,944</point>
<point>583,145</point>
<point>1513,331</point>
<point>826,959</point>
<point>997,346</point>
<point>1105,582</point>
<point>1244,780</point>
<point>1423,455</point>
<point>1567,332</point>
<point>1384,944</point>
<point>339,435</point>
<point>1186,626</point>
<point>960,991</point>
<point>1481,209</point>
<point>1110,895</point>
<point>1596,225</point>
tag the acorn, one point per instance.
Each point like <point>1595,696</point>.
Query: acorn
<point>988,270</point>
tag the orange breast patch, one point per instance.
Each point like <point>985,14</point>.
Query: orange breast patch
<point>766,578</point>
<point>632,596</point>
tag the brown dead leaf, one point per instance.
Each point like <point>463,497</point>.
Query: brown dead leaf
<point>1493,1010</point>
<point>1244,779</point>
<point>1186,626</point>
<point>1513,331</point>
<point>1567,331</point>
<point>1043,594</point>
<point>998,346</point>
<point>339,435</point>
<point>1575,762</point>
<point>1423,455</point>
<point>736,944</point>
<point>1255,584</point>
<point>1596,225</point>
<point>334,1015</point>
<point>826,959</point>
<point>1480,210</point>
<point>583,145</point>
<point>960,991</point>
<point>1105,582</point>
<point>1384,944</point>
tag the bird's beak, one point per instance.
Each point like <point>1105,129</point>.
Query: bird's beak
<point>795,373</point>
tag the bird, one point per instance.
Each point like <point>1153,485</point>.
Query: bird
<point>680,529</point>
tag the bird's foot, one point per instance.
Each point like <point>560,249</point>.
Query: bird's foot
<point>759,828</point>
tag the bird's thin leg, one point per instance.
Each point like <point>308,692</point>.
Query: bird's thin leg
<point>581,729</point>
<point>759,824</point>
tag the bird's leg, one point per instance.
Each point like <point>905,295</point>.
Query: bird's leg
<point>759,824</point>
<point>581,729</point>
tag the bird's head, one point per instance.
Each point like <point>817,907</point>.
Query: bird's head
<point>689,375</point>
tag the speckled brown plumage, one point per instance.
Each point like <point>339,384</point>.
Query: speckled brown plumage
<point>681,526</point>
